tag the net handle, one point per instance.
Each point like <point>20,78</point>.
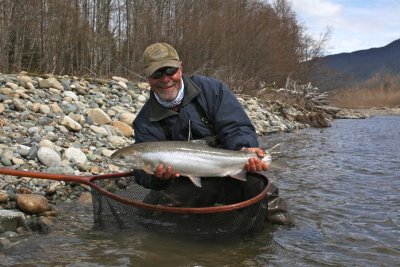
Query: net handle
<point>88,180</point>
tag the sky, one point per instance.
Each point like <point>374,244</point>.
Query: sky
<point>355,24</point>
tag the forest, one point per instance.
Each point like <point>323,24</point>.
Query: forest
<point>245,43</point>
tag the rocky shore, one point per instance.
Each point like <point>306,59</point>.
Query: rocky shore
<point>71,125</point>
<point>362,113</point>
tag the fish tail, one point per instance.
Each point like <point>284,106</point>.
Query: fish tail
<point>274,152</point>
<point>274,157</point>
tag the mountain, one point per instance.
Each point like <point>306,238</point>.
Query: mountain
<point>358,66</point>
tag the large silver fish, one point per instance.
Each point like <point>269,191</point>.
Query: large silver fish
<point>188,158</point>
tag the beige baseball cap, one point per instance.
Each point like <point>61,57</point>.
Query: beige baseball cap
<point>159,55</point>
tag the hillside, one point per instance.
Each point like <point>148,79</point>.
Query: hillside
<point>357,66</point>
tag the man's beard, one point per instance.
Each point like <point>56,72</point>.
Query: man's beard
<point>167,96</point>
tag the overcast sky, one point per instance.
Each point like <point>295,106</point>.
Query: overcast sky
<point>355,24</point>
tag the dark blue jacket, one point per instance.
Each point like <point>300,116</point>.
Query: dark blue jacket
<point>212,109</point>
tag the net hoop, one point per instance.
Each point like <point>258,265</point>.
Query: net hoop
<point>88,180</point>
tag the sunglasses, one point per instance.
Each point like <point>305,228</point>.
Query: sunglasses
<point>169,71</point>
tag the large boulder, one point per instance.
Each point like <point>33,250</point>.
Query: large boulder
<point>31,203</point>
<point>11,220</point>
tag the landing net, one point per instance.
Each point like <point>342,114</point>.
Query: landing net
<point>182,208</point>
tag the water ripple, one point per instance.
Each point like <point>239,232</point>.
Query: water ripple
<point>342,185</point>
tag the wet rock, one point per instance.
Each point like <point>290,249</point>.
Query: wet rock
<point>3,196</point>
<point>31,203</point>
<point>76,155</point>
<point>11,220</point>
<point>80,89</point>
<point>107,152</point>
<point>24,191</point>
<point>5,243</point>
<point>50,83</point>
<point>11,85</point>
<point>127,118</point>
<point>126,129</point>
<point>46,224</point>
<point>47,143</point>
<point>55,108</point>
<point>33,152</point>
<point>18,105</point>
<point>85,199</point>
<point>70,124</point>
<point>99,130</point>
<point>144,86</point>
<point>10,234</point>
<point>98,116</point>
<point>122,84</point>
<point>61,169</point>
<point>141,98</point>
<point>44,109</point>
<point>5,161</point>
<point>119,79</point>
<point>77,117</point>
<point>17,161</point>
<point>116,141</point>
<point>71,95</point>
<point>25,79</point>
<point>48,156</point>
<point>50,213</point>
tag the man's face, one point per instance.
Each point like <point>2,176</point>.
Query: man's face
<point>168,85</point>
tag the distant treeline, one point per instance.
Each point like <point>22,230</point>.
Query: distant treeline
<point>240,41</point>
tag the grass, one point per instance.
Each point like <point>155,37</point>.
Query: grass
<point>379,91</point>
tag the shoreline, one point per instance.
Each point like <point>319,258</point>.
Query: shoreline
<point>71,125</point>
<point>362,113</point>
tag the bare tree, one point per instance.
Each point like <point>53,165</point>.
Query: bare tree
<point>242,42</point>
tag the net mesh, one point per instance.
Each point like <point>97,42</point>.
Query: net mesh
<point>109,213</point>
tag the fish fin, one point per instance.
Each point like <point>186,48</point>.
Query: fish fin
<point>274,157</point>
<point>148,168</point>
<point>275,151</point>
<point>279,164</point>
<point>240,175</point>
<point>209,141</point>
<point>195,180</point>
<point>199,141</point>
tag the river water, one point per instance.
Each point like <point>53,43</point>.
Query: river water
<point>343,187</point>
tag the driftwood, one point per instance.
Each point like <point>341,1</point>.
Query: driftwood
<point>311,96</point>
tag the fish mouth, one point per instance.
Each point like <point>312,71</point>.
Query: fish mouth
<point>119,160</point>
<point>126,159</point>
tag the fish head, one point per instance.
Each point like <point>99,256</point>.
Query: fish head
<point>128,158</point>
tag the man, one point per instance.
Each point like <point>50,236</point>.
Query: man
<point>199,107</point>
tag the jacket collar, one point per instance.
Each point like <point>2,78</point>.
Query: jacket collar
<point>159,112</point>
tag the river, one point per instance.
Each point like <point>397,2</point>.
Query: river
<point>342,184</point>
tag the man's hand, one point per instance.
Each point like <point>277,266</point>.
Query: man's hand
<point>166,174</point>
<point>255,164</point>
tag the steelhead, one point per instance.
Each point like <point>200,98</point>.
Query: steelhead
<point>188,158</point>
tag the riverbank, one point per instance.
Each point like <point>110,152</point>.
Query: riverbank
<point>359,113</point>
<point>71,125</point>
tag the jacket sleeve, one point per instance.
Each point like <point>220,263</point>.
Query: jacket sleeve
<point>232,125</point>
